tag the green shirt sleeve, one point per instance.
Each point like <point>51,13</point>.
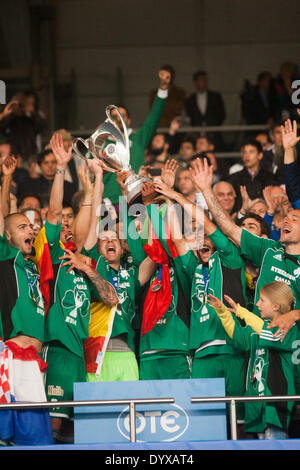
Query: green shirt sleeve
<point>229,253</point>
<point>7,251</point>
<point>268,339</point>
<point>254,248</point>
<point>189,263</point>
<point>147,130</point>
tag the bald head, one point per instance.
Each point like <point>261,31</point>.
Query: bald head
<point>19,232</point>
<point>225,194</point>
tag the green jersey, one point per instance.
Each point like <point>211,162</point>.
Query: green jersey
<point>125,283</point>
<point>21,302</point>
<point>274,263</point>
<point>69,313</point>
<point>171,332</point>
<point>224,274</point>
<point>270,373</point>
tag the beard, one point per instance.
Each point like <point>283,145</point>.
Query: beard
<point>156,151</point>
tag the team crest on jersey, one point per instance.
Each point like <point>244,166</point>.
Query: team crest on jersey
<point>77,302</point>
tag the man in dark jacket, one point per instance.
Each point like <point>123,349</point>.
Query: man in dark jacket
<point>252,176</point>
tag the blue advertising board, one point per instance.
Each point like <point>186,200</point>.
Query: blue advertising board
<point>180,421</point>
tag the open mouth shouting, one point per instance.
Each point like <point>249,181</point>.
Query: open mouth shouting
<point>28,245</point>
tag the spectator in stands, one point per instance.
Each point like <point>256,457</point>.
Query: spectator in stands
<point>226,195</point>
<point>253,176</point>
<point>175,101</point>
<point>273,156</point>
<point>18,127</point>
<point>205,145</point>
<point>20,172</point>
<point>205,107</point>
<point>264,139</point>
<point>159,150</point>
<point>43,184</point>
<point>258,101</point>
<point>285,108</point>
<point>29,201</point>
<point>186,152</point>
<point>186,185</point>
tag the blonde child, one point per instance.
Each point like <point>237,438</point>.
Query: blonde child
<point>270,367</point>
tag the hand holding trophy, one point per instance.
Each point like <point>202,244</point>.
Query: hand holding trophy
<point>110,144</point>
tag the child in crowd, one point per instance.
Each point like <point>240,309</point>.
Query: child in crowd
<point>271,365</point>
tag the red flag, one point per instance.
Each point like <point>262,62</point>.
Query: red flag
<point>44,263</point>
<point>159,296</point>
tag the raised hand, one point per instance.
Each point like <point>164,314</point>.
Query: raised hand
<point>168,172</point>
<point>247,203</point>
<point>148,192</point>
<point>57,146</point>
<point>214,301</point>
<point>232,303</point>
<point>289,134</point>
<point>201,173</point>
<point>9,166</point>
<point>121,178</point>
<point>83,174</point>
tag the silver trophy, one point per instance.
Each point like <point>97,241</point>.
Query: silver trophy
<point>111,145</point>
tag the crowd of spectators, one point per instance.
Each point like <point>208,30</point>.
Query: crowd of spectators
<point>187,306</point>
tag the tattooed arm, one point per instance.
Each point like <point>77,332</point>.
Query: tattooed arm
<point>202,176</point>
<point>105,290</point>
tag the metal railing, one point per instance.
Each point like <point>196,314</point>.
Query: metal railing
<point>234,400</point>
<point>132,402</point>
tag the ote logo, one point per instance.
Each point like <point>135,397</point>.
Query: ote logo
<point>155,425</point>
<point>2,92</point>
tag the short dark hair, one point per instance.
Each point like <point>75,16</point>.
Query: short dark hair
<point>199,73</point>
<point>26,195</point>
<point>190,140</point>
<point>265,228</point>
<point>124,107</point>
<point>254,143</point>
<point>42,155</point>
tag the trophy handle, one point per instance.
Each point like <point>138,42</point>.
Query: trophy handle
<point>81,147</point>
<point>108,110</point>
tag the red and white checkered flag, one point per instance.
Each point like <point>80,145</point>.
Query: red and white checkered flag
<point>4,376</point>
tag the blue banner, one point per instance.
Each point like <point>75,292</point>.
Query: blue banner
<point>181,421</point>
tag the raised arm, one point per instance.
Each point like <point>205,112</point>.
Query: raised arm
<point>289,141</point>
<point>8,169</point>
<point>54,215</point>
<point>105,290</point>
<point>202,174</point>
<point>91,200</point>
<point>98,190</point>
